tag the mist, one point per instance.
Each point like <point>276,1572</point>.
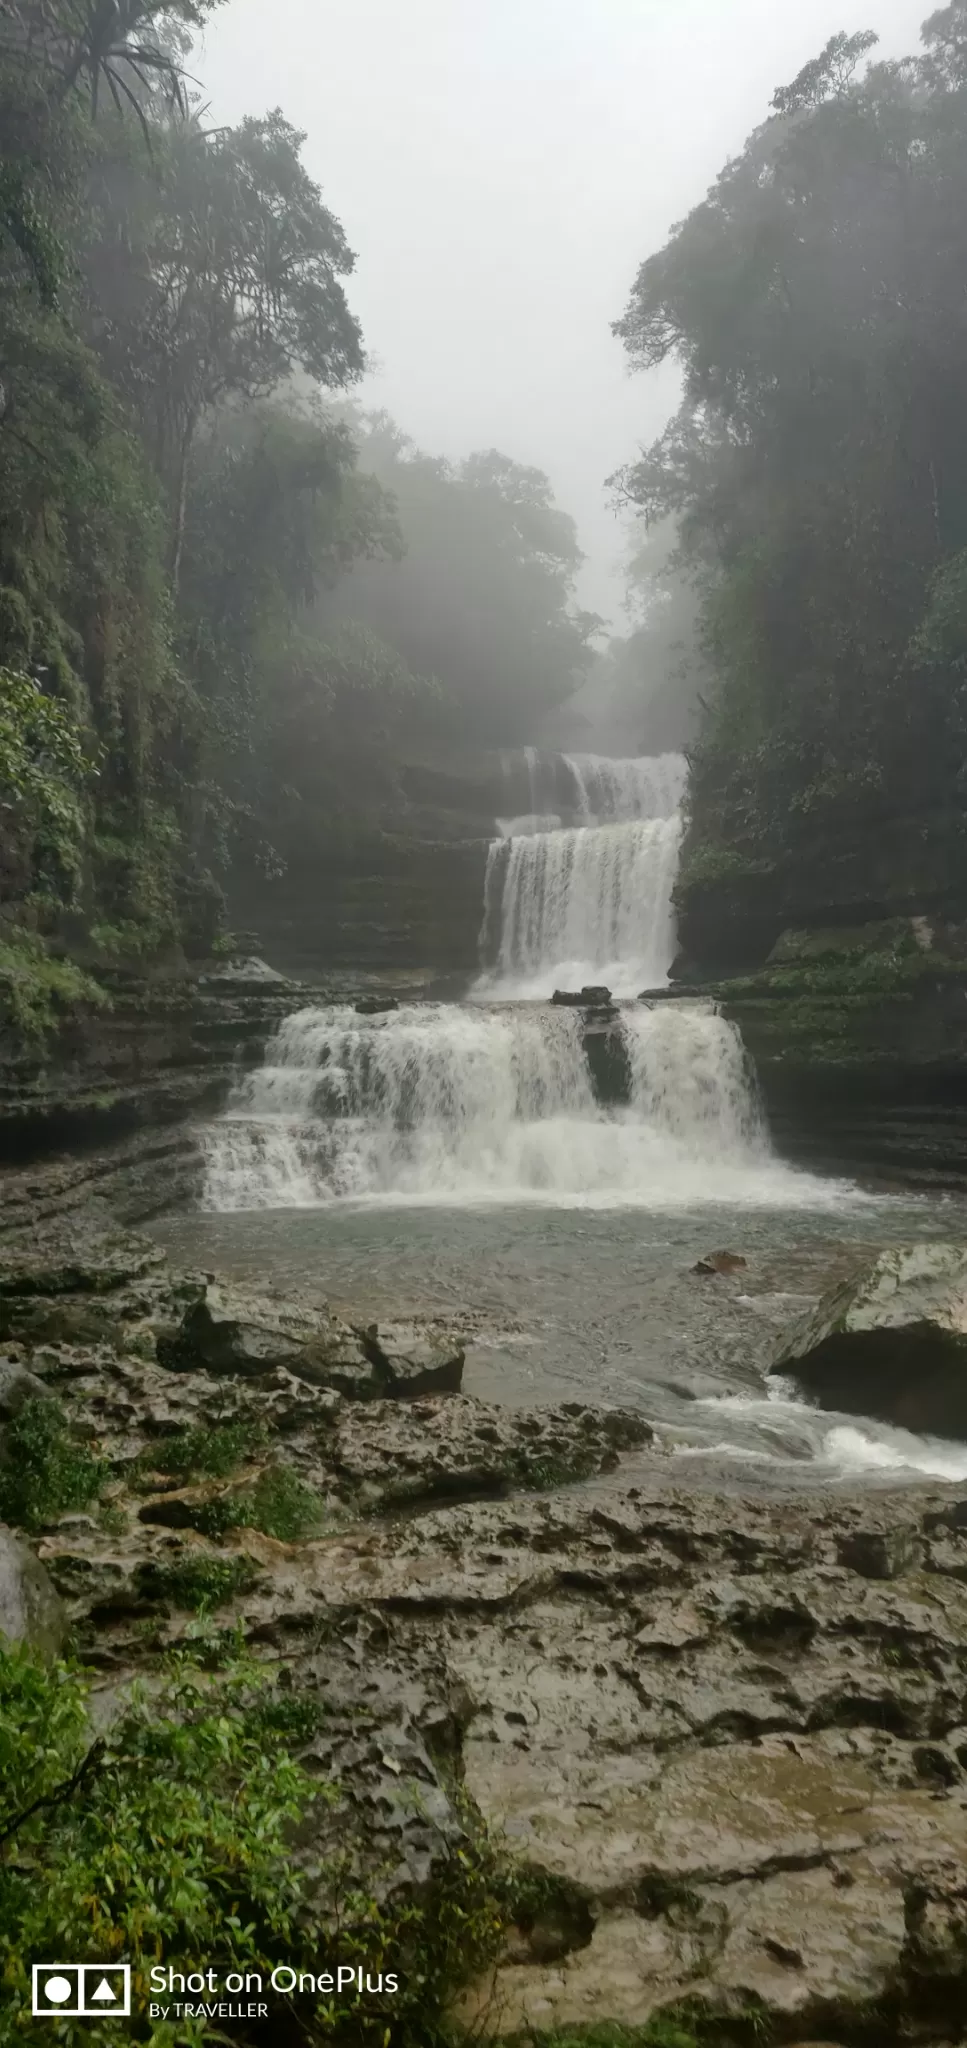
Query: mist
<point>483,1021</point>
<point>501,172</point>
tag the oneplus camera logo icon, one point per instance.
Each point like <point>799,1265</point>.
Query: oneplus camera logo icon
<point>81,1990</point>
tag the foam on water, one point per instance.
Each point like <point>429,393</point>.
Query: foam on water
<point>591,904</point>
<point>442,1103</point>
<point>779,1424</point>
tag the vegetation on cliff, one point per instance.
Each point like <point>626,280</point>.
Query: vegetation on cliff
<point>179,501</point>
<point>816,466</point>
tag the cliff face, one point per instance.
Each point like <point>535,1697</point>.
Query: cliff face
<point>403,890</point>
<point>858,1031</point>
<point>733,910</point>
<point>162,1051</point>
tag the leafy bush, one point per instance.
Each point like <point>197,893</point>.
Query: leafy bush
<point>44,772</point>
<point>279,1503</point>
<point>46,1472</point>
<point>34,983</point>
<point>211,1453</point>
<point>169,1840</point>
<point>198,1583</point>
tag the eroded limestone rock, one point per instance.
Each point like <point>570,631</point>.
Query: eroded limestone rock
<point>30,1611</point>
<point>891,1342</point>
<point>723,1743</point>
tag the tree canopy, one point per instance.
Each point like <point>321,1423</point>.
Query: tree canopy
<point>816,468</point>
<point>483,596</point>
<point>233,600</point>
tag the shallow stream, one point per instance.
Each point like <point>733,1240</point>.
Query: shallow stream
<point>460,1161</point>
<point>563,1304</point>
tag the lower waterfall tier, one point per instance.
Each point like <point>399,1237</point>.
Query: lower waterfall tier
<point>476,1103</point>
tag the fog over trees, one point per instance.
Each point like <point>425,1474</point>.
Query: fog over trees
<point>237,586</point>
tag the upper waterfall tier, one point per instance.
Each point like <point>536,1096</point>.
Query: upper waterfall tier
<point>586,905</point>
<point>585,789</point>
<point>590,901</point>
<point>619,792</point>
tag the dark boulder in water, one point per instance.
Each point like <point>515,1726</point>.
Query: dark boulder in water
<point>720,1262</point>
<point>582,999</point>
<point>891,1342</point>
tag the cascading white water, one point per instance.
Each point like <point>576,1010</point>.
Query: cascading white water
<point>591,903</point>
<point>493,1100</point>
<point>466,1104</point>
<point>615,791</point>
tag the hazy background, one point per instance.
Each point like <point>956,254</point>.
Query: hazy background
<point>501,169</point>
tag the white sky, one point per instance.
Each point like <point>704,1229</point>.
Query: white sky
<point>501,167</point>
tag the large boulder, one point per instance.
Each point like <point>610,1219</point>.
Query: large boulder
<point>229,1331</point>
<point>17,1387</point>
<point>891,1342</point>
<point>413,1360</point>
<point>30,1611</point>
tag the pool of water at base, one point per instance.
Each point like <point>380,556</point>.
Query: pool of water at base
<point>603,1306</point>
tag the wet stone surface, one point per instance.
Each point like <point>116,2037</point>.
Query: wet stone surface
<point>724,1740</point>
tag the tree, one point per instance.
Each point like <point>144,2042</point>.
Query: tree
<point>483,599</point>
<point>87,45</point>
<point>228,285</point>
<point>818,465</point>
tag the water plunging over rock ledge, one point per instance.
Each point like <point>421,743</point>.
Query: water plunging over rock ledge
<point>510,1102</point>
<point>510,1097</point>
<point>593,902</point>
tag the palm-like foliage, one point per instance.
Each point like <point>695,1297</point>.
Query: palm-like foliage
<point>123,45</point>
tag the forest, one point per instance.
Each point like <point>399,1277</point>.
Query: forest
<point>230,597</point>
<point>816,468</point>
<point>225,593</point>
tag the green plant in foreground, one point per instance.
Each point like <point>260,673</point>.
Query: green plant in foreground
<point>169,1839</point>
<point>45,1471</point>
<point>279,1503</point>
<point>212,1453</point>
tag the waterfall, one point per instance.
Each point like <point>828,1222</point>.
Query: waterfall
<point>607,791</point>
<point>474,1103</point>
<point>581,906</point>
<point>493,1100</point>
<point>591,902</point>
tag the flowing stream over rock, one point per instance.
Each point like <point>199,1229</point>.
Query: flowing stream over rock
<point>505,1120</point>
<point>566,906</point>
<point>504,1097</point>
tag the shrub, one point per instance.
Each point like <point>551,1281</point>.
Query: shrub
<point>169,1839</point>
<point>198,1583</point>
<point>211,1453</point>
<point>45,1471</point>
<point>279,1503</point>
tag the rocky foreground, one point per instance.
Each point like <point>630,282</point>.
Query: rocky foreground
<point>723,1745</point>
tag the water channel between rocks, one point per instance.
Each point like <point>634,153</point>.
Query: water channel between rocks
<point>487,1163</point>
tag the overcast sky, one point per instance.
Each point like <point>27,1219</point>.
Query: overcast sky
<point>501,167</point>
